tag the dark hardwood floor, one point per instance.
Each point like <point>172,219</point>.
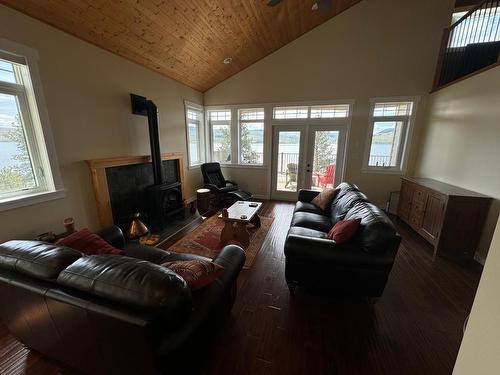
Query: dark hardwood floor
<point>414,328</point>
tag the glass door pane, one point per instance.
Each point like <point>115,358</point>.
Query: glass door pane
<point>287,161</point>
<point>324,166</point>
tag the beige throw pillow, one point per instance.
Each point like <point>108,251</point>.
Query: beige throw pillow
<point>325,198</point>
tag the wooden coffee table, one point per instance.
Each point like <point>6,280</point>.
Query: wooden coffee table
<point>236,219</point>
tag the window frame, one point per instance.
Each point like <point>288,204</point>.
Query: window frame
<point>348,111</point>
<point>240,122</point>
<point>309,106</point>
<point>405,142</point>
<point>269,122</point>
<point>210,123</point>
<point>298,107</point>
<point>201,134</point>
<point>36,125</point>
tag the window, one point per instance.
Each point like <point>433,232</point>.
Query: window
<point>388,135</point>
<point>195,134</point>
<point>326,111</point>
<point>251,136</point>
<point>282,113</point>
<point>237,133</point>
<point>25,168</point>
<point>330,111</point>
<point>220,115</point>
<point>392,109</point>
<point>220,128</point>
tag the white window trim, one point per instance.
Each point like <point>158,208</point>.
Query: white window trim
<point>269,122</point>
<point>310,104</point>
<point>335,121</point>
<point>201,135</point>
<point>263,137</point>
<point>405,148</point>
<point>57,190</point>
<point>208,126</point>
<point>28,200</point>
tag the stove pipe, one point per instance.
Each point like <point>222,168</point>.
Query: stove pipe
<point>144,107</point>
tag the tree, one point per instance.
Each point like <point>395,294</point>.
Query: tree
<point>20,175</point>
<point>248,154</point>
<point>11,179</point>
<point>223,137</point>
<point>222,143</point>
<point>324,151</point>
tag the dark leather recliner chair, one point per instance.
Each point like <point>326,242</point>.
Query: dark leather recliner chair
<point>359,267</point>
<point>214,180</point>
<point>111,314</point>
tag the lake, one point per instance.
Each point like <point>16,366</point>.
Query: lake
<point>381,149</point>
<point>378,149</point>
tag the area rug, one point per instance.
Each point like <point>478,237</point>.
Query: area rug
<point>205,240</point>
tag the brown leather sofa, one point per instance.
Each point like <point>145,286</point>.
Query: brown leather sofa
<point>359,267</point>
<point>111,314</point>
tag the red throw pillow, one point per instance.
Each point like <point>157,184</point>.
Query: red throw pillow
<point>325,198</point>
<point>88,243</point>
<point>197,273</point>
<point>344,230</point>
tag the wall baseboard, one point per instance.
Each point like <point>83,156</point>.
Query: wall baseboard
<point>479,258</point>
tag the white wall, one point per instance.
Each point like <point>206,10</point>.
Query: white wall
<point>461,141</point>
<point>377,48</point>
<point>480,349</point>
<point>87,93</point>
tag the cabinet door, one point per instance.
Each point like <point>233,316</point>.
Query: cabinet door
<point>432,216</point>
<point>405,199</point>
<point>418,208</point>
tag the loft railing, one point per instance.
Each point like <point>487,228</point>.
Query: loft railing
<point>379,160</point>
<point>470,45</point>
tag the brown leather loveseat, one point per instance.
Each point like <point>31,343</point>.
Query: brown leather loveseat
<point>110,314</point>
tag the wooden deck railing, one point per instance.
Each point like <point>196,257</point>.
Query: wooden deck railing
<point>470,45</point>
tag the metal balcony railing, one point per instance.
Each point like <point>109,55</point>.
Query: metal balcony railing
<point>470,45</point>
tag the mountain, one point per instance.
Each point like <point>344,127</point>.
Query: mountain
<point>385,131</point>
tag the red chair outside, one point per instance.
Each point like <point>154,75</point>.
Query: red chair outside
<point>327,178</point>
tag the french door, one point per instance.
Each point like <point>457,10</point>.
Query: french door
<point>306,157</point>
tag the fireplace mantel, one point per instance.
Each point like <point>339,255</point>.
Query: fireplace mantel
<point>100,184</point>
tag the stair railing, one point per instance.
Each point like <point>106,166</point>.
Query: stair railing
<point>470,45</point>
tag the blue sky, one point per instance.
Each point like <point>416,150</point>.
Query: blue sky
<point>8,105</point>
<point>6,72</point>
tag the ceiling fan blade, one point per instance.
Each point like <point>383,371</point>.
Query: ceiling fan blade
<point>322,5</point>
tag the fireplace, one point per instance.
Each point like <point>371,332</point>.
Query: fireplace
<point>151,186</point>
<point>172,200</point>
<point>162,201</point>
<point>163,197</point>
<point>121,187</point>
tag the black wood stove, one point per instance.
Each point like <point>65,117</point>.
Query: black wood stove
<point>163,199</point>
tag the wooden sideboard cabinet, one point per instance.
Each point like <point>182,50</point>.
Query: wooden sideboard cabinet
<point>449,217</point>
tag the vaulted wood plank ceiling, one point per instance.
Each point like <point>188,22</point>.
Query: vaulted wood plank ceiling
<point>186,40</point>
